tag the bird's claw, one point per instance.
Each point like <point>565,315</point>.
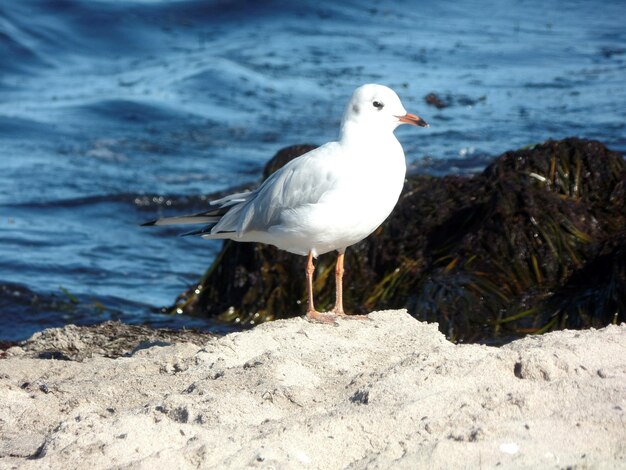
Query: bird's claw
<point>319,317</point>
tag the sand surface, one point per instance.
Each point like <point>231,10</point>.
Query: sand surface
<point>386,393</point>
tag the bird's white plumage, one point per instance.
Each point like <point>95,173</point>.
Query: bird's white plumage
<point>333,196</point>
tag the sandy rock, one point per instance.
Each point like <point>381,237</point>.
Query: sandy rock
<point>390,392</point>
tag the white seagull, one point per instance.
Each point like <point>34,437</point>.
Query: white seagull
<point>327,199</point>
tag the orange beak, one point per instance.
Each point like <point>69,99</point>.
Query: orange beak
<point>413,120</point>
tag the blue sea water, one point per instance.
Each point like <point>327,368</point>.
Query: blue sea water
<point>113,112</point>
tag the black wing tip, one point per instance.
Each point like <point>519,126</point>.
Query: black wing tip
<point>203,231</point>
<point>194,232</point>
<point>150,223</point>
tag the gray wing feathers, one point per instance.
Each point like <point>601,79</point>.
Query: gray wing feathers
<point>212,216</point>
<point>187,219</point>
<point>300,182</point>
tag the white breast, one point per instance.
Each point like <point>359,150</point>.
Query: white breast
<point>364,188</point>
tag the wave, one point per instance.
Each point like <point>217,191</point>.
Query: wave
<point>26,311</point>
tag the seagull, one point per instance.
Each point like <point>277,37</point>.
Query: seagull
<point>325,200</point>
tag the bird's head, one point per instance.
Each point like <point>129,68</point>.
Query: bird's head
<point>377,108</point>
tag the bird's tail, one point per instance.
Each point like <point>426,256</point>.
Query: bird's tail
<point>200,218</point>
<point>208,218</point>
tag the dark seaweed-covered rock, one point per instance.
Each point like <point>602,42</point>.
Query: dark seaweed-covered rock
<point>536,242</point>
<point>109,339</point>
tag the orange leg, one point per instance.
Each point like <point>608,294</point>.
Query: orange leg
<point>310,270</point>
<point>338,310</point>
<point>311,313</point>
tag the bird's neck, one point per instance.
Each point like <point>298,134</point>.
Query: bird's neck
<point>358,135</point>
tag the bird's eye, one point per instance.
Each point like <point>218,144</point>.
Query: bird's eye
<point>378,105</point>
